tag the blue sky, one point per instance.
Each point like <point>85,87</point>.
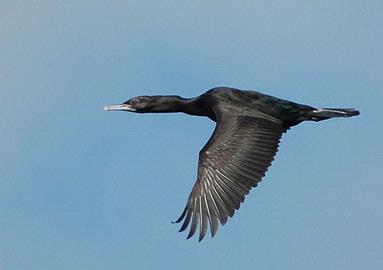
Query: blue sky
<point>84,189</point>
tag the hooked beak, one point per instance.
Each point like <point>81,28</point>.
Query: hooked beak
<point>119,107</point>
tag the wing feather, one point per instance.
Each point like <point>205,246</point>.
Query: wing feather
<point>233,161</point>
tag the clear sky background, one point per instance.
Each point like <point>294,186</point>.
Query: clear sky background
<point>81,188</point>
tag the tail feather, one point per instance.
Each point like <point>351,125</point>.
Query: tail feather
<point>326,113</point>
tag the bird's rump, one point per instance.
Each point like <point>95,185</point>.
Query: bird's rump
<point>233,161</point>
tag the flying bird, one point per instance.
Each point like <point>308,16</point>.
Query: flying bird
<point>249,126</point>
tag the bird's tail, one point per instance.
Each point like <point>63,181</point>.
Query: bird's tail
<point>327,113</point>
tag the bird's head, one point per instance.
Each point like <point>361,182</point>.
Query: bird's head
<point>140,104</point>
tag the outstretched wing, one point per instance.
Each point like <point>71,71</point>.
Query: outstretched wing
<point>232,162</point>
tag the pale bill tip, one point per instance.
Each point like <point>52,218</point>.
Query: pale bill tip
<point>119,107</point>
<point>116,107</point>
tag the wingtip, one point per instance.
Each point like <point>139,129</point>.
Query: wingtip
<point>182,229</point>
<point>213,232</point>
<point>189,236</point>
<point>201,237</point>
<point>181,216</point>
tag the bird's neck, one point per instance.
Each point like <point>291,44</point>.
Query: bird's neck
<point>168,104</point>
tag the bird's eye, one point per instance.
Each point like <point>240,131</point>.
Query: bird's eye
<point>133,101</point>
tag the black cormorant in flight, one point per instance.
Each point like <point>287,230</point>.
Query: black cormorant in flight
<point>240,150</point>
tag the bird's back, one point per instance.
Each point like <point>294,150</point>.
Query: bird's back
<point>231,101</point>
